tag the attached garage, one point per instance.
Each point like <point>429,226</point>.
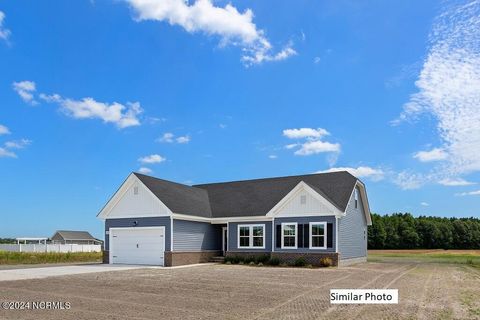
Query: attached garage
<point>142,245</point>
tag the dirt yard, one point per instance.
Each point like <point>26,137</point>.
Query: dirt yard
<point>426,291</point>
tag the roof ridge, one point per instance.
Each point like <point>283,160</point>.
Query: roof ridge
<point>165,180</point>
<point>274,178</point>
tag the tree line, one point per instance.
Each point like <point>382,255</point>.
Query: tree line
<point>403,231</point>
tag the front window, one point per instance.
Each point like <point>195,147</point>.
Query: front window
<point>318,235</point>
<point>289,235</point>
<point>251,236</point>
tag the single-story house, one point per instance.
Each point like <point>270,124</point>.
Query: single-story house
<point>73,237</point>
<point>159,222</point>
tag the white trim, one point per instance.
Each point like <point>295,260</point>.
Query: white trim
<point>296,234</point>
<point>240,219</point>
<point>228,231</point>
<point>171,234</point>
<point>223,240</point>
<point>180,216</point>
<point>324,235</point>
<point>131,180</point>
<point>336,234</point>
<point>250,236</point>
<point>273,235</point>
<point>366,205</point>
<point>110,242</point>
<point>298,188</point>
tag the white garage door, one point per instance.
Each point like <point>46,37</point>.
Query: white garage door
<point>137,245</point>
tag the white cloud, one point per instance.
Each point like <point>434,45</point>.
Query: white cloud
<point>435,154</point>
<point>312,143</point>
<point>233,27</point>
<point>317,146</point>
<point>316,60</point>
<point>5,153</point>
<point>449,87</point>
<point>454,182</point>
<point>425,204</point>
<point>26,90</point>
<point>272,156</point>
<point>222,126</point>
<point>145,170</point>
<point>4,32</point>
<point>305,133</point>
<point>122,116</point>
<point>17,144</point>
<point>154,158</point>
<point>183,139</point>
<point>407,180</point>
<point>169,137</point>
<point>374,174</point>
<point>470,193</point>
<point>4,130</point>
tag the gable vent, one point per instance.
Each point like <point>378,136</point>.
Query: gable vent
<point>303,199</point>
<point>135,190</point>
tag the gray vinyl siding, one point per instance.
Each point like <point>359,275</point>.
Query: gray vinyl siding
<point>233,237</point>
<point>141,222</point>
<point>196,236</point>
<point>352,231</point>
<point>306,220</point>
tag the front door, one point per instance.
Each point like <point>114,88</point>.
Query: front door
<point>224,240</point>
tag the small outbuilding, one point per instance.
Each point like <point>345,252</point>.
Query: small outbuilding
<point>74,237</point>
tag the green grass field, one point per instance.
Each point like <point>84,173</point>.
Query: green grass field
<point>467,257</point>
<point>11,258</point>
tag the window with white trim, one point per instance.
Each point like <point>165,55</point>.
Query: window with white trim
<point>251,236</point>
<point>318,235</point>
<point>289,235</point>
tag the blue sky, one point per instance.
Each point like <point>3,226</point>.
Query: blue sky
<point>214,91</point>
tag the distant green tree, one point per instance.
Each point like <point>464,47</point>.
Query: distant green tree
<point>404,231</point>
<point>376,233</point>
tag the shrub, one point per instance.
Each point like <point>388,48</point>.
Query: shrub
<point>228,262</point>
<point>309,266</point>
<point>260,264</point>
<point>283,264</point>
<point>262,258</point>
<point>249,259</point>
<point>252,263</point>
<point>241,262</point>
<point>326,262</point>
<point>233,260</point>
<point>300,262</point>
<point>274,261</point>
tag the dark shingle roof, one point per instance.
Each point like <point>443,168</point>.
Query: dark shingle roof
<point>257,197</point>
<point>248,197</point>
<point>74,235</point>
<point>178,197</point>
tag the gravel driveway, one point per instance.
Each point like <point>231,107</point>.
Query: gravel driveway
<point>427,291</point>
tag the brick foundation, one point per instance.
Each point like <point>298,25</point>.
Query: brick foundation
<point>173,259</point>
<point>105,257</point>
<point>246,254</point>
<point>312,258</point>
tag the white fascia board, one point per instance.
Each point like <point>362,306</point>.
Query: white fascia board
<point>240,219</point>
<point>179,216</point>
<point>366,205</point>
<point>187,217</point>
<point>117,196</point>
<point>303,186</point>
